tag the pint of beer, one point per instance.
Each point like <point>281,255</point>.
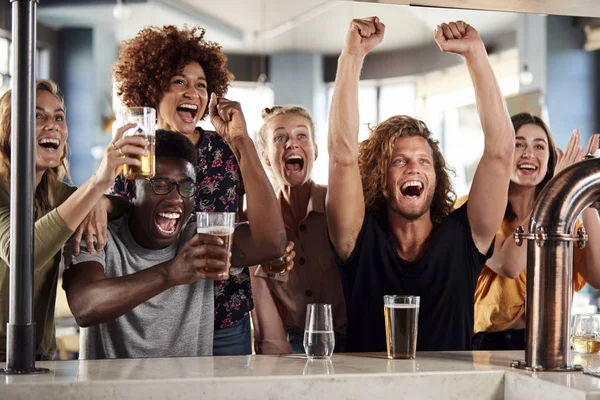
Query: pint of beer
<point>401,325</point>
<point>221,224</point>
<point>145,120</point>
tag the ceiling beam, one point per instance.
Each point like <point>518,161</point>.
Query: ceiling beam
<point>579,8</point>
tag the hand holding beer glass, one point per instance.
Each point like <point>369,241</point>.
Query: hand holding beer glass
<point>401,325</point>
<point>221,224</point>
<point>283,264</point>
<point>145,120</point>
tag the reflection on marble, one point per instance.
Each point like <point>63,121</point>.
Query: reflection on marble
<point>435,375</point>
<point>589,362</point>
<point>318,367</point>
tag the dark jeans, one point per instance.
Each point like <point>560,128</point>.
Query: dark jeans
<point>510,339</point>
<point>233,340</point>
<point>296,340</point>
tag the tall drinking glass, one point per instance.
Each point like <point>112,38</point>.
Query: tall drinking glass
<point>145,120</point>
<point>401,325</point>
<point>319,339</point>
<point>221,224</point>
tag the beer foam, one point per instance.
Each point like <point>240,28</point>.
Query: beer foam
<point>215,230</point>
<point>401,305</point>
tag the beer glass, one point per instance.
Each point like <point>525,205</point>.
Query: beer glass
<point>401,325</point>
<point>276,266</point>
<point>586,333</point>
<point>221,224</point>
<point>145,120</point>
<point>319,339</point>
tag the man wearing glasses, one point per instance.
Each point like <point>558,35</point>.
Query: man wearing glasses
<point>148,293</point>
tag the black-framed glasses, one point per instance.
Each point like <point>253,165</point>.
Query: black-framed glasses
<point>166,186</point>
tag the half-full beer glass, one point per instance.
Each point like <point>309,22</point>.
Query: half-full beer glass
<point>145,120</point>
<point>585,336</point>
<point>401,325</point>
<point>221,224</point>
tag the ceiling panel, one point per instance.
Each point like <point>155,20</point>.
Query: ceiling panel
<point>582,8</point>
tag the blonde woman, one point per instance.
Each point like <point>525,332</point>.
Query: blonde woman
<point>58,208</point>
<point>288,149</point>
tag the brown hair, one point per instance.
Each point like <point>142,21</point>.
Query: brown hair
<point>374,156</point>
<point>518,121</point>
<point>269,113</point>
<point>147,63</point>
<point>44,191</point>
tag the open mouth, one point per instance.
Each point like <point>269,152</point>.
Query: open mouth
<point>49,143</point>
<point>187,112</point>
<point>527,168</point>
<point>294,163</point>
<point>412,189</point>
<point>166,222</point>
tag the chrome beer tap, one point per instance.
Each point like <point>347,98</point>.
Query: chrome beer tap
<point>550,263</point>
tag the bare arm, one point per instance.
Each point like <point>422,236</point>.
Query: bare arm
<point>510,260</point>
<point>80,203</point>
<point>95,223</point>
<point>264,237</point>
<point>489,191</point>
<point>73,210</point>
<point>345,202</point>
<point>589,267</point>
<point>95,299</point>
<point>269,332</point>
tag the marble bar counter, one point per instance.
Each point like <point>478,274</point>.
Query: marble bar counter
<point>443,375</point>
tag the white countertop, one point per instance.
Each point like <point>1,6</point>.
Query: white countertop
<point>440,375</point>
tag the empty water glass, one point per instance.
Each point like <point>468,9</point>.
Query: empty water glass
<point>319,339</point>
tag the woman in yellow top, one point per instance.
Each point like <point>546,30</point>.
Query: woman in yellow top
<point>58,208</point>
<point>500,293</point>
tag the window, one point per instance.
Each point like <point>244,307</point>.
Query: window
<point>6,67</point>
<point>447,105</point>
<point>253,97</point>
<point>5,64</point>
<point>396,99</point>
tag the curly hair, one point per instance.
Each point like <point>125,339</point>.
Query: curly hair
<point>269,113</point>
<point>44,191</point>
<point>518,121</point>
<point>147,63</point>
<point>175,145</point>
<point>374,156</point>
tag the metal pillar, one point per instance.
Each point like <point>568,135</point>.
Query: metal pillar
<point>20,338</point>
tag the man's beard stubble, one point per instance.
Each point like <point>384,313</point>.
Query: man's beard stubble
<point>393,205</point>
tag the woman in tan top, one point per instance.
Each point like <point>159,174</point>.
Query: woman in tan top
<point>500,293</point>
<point>288,149</point>
<point>58,209</point>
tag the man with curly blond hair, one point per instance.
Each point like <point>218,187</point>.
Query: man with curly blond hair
<point>389,205</point>
<point>178,72</point>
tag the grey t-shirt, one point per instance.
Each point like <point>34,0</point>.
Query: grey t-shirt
<point>175,323</point>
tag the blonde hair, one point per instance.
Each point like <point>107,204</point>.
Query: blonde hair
<point>374,155</point>
<point>50,179</point>
<point>269,113</point>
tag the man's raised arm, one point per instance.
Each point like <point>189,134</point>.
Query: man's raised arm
<point>345,200</point>
<point>489,191</point>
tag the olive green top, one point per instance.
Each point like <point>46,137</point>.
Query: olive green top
<point>51,233</point>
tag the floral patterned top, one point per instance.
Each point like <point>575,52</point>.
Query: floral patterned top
<point>221,186</point>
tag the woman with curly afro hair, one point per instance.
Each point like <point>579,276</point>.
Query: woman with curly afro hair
<point>176,71</point>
